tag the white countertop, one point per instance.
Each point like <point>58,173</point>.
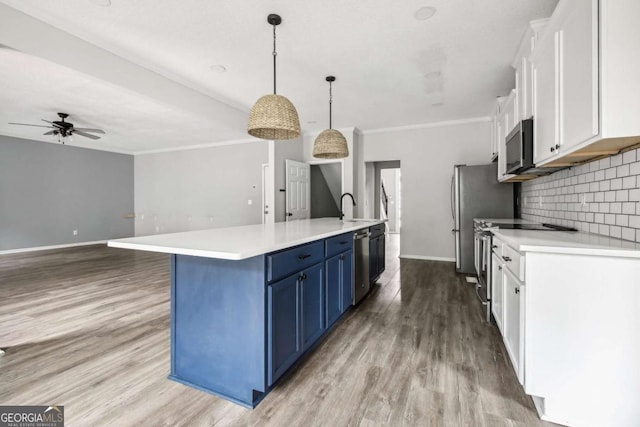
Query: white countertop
<point>567,242</point>
<point>236,243</point>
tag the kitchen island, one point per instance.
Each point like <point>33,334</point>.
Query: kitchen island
<point>247,302</point>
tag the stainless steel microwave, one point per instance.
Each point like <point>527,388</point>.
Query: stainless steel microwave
<point>519,147</point>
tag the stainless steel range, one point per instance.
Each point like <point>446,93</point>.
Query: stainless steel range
<point>483,245</point>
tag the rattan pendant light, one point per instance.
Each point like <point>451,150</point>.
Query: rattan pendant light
<point>273,116</point>
<point>330,144</point>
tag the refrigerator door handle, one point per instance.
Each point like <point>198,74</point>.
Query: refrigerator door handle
<point>452,197</point>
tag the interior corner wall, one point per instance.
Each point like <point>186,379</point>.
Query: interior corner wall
<point>200,188</point>
<point>284,150</point>
<point>48,190</point>
<point>427,157</point>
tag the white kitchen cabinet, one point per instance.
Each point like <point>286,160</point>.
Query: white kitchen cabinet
<point>545,99</point>
<point>523,68</point>
<point>585,84</point>
<point>513,331</point>
<point>506,122</point>
<point>578,73</point>
<point>497,291</point>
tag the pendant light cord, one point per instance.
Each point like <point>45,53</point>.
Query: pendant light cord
<point>330,102</point>
<point>274,59</point>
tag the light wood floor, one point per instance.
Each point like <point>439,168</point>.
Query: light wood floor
<point>88,328</point>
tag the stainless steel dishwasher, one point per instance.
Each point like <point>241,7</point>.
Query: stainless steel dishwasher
<point>361,260</point>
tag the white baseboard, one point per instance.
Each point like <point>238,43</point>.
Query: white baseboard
<point>427,258</point>
<point>44,248</point>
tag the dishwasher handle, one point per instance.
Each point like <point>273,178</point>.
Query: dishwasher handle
<point>359,236</point>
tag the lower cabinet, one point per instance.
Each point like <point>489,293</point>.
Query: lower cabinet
<point>513,331</point>
<point>339,284</point>
<point>497,291</point>
<point>376,257</point>
<point>295,318</point>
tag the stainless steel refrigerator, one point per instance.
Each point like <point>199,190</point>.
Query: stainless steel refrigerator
<point>476,193</point>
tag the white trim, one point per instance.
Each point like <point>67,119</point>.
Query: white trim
<point>427,258</point>
<point>197,146</point>
<point>428,125</point>
<point>44,248</point>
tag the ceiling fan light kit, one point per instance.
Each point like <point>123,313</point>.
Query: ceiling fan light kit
<point>331,143</point>
<point>273,116</point>
<point>64,131</point>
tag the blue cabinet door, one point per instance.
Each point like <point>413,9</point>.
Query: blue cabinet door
<point>312,304</point>
<point>373,259</point>
<point>283,326</point>
<point>346,282</point>
<point>333,289</point>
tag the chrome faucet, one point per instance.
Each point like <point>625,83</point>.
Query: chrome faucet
<point>342,197</point>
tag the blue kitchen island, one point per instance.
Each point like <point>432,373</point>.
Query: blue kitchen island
<point>247,302</point>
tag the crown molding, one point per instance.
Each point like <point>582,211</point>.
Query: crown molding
<point>197,146</point>
<point>427,125</point>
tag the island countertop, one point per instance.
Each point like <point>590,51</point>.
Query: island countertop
<point>242,242</point>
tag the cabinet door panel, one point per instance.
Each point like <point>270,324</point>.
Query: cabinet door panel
<point>512,325</point>
<point>347,281</point>
<point>283,324</point>
<point>333,289</point>
<point>497,291</point>
<point>381,253</point>
<point>312,305</point>
<point>544,101</point>
<point>373,259</point>
<point>578,55</point>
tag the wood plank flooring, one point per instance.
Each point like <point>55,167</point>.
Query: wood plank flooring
<point>88,328</point>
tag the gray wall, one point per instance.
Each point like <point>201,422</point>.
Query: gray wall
<point>332,173</point>
<point>48,190</point>
<point>601,197</point>
<point>200,188</point>
<point>323,203</point>
<point>284,150</point>
<point>427,156</point>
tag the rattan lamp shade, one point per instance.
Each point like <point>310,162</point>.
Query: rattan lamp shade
<point>330,144</point>
<point>274,117</point>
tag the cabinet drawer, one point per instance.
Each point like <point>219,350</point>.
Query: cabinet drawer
<point>281,264</point>
<point>377,230</point>
<point>337,244</point>
<point>514,261</point>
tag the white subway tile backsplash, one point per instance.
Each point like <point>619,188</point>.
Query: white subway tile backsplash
<point>616,160</point>
<point>629,208</point>
<point>627,182</point>
<point>623,171</point>
<point>610,173</point>
<point>616,184</point>
<point>629,233</point>
<point>629,156</point>
<point>622,196</point>
<point>599,197</point>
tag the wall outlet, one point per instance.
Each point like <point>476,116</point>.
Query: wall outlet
<point>75,232</point>
<point>583,199</point>
<point>249,202</point>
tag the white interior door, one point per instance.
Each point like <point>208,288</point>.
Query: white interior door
<point>297,190</point>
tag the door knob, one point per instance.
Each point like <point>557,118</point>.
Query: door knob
<point>289,214</point>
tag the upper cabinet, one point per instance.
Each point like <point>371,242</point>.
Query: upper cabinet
<point>585,102</point>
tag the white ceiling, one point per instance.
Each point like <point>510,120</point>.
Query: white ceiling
<point>392,70</point>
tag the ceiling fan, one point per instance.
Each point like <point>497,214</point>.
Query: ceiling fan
<point>64,129</point>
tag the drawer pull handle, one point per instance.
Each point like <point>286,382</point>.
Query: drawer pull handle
<point>506,258</point>
<point>494,247</point>
<point>343,242</point>
<point>342,257</point>
<point>305,256</point>
<point>302,277</point>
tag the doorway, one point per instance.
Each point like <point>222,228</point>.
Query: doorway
<point>390,198</point>
<point>326,189</point>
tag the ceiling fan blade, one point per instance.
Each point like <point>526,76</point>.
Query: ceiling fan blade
<point>47,121</point>
<point>26,124</point>
<point>88,135</point>
<point>51,132</point>
<point>89,130</point>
